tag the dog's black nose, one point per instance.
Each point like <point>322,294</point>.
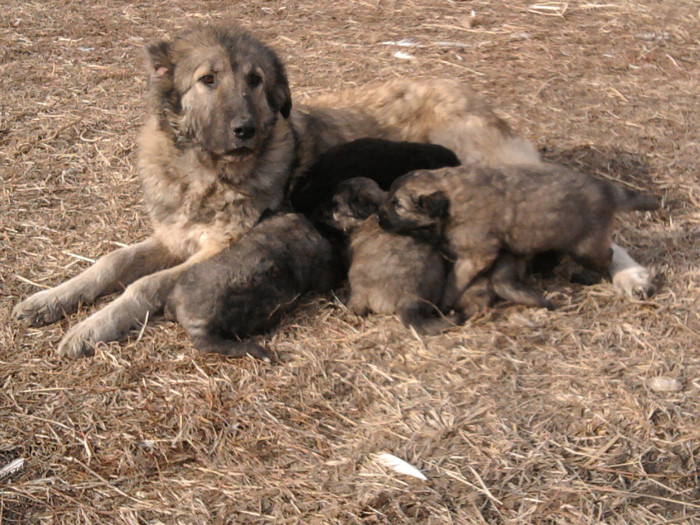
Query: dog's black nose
<point>244,131</point>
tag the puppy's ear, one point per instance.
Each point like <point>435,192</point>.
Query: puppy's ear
<point>278,94</point>
<point>158,62</point>
<point>434,204</point>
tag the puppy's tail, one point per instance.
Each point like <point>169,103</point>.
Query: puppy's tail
<point>629,200</point>
<point>423,324</point>
<point>229,347</point>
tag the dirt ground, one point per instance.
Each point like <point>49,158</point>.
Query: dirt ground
<point>587,414</point>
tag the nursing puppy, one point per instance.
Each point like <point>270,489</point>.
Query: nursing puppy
<point>247,288</point>
<point>474,212</point>
<point>381,160</point>
<point>388,273</point>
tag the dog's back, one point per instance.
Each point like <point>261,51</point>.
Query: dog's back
<point>246,289</point>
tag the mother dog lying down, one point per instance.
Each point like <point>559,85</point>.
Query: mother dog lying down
<point>221,144</point>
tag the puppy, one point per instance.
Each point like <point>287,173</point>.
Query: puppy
<point>388,273</point>
<point>380,160</point>
<point>247,288</point>
<point>474,212</point>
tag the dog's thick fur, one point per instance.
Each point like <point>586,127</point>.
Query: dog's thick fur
<point>393,273</point>
<point>247,288</point>
<point>474,212</point>
<point>383,161</point>
<point>388,273</point>
<point>221,143</point>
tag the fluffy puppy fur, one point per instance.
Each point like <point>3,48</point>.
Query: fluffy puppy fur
<point>474,212</point>
<point>247,288</point>
<point>381,160</point>
<point>388,273</point>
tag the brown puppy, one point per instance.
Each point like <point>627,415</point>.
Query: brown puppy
<point>247,288</point>
<point>220,144</point>
<point>388,273</point>
<point>476,212</point>
<point>392,273</point>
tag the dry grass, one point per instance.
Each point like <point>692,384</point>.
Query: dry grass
<point>522,416</point>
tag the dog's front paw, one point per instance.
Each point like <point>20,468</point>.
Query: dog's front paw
<point>39,309</point>
<point>78,342</point>
<point>634,282</point>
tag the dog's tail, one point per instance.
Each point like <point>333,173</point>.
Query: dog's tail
<point>630,200</point>
<point>220,345</point>
<point>415,315</point>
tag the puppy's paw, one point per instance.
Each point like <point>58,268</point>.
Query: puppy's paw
<point>39,309</point>
<point>245,348</point>
<point>78,342</point>
<point>634,282</point>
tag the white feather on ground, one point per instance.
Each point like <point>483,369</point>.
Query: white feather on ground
<point>399,465</point>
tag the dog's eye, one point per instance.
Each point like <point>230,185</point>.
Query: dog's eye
<point>396,203</point>
<point>207,80</point>
<point>254,80</point>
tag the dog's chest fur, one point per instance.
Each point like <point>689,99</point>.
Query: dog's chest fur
<point>197,205</point>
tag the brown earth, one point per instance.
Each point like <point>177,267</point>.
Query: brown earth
<point>588,414</point>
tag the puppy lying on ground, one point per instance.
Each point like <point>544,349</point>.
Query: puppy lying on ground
<point>475,212</point>
<point>247,288</point>
<point>383,161</point>
<point>388,273</point>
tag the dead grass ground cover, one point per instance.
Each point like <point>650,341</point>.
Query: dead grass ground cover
<point>522,416</point>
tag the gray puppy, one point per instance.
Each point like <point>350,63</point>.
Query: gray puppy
<point>247,288</point>
<point>388,273</point>
<point>475,212</point>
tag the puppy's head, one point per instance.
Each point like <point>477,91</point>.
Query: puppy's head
<point>354,200</point>
<point>416,206</point>
<point>218,88</point>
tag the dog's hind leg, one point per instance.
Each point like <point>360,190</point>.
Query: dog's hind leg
<point>464,271</point>
<point>229,347</point>
<point>109,274</point>
<point>628,276</point>
<point>147,295</point>
<point>505,279</point>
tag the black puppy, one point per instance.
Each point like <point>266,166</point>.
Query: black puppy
<point>383,161</point>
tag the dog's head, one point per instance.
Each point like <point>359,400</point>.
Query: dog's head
<point>354,200</point>
<point>218,88</point>
<point>416,206</point>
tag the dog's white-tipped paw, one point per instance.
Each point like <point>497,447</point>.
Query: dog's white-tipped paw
<point>39,309</point>
<point>634,282</point>
<point>78,342</point>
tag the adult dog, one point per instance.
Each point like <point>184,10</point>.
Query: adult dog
<point>221,144</point>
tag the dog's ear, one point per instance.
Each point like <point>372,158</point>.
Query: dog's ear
<point>435,204</point>
<point>158,62</point>
<point>278,94</point>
